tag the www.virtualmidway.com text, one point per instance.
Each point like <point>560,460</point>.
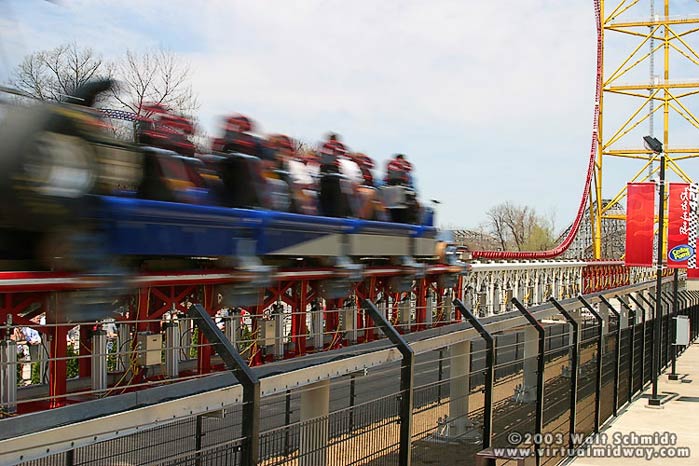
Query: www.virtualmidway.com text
<point>615,445</point>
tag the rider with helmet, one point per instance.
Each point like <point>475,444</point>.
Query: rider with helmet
<point>398,171</point>
<point>399,194</point>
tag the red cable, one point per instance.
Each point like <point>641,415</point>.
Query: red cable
<point>565,244</point>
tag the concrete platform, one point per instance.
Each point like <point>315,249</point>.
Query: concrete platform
<point>679,415</point>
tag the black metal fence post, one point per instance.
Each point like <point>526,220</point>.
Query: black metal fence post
<point>574,364</point>
<point>655,353</point>
<point>667,299</point>
<point>407,367</point>
<point>682,310</point>
<point>251,384</point>
<point>287,422</point>
<point>440,375</point>
<point>672,334</point>
<point>598,376</point>
<point>687,309</point>
<point>617,352</point>
<point>539,417</point>
<point>489,371</point>
<point>693,318</point>
<point>70,458</point>
<point>643,340</point>
<point>631,322</point>
<point>198,434</point>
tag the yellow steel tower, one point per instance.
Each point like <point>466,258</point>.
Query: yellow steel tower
<point>636,36</point>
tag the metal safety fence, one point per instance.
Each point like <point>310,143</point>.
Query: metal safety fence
<point>560,369</point>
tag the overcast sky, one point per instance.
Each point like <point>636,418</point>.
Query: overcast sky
<point>491,101</point>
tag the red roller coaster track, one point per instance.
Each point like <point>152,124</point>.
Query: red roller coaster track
<point>567,241</point>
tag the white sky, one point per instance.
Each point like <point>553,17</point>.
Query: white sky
<point>491,101</point>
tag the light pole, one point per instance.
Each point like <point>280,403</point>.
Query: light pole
<point>656,147</point>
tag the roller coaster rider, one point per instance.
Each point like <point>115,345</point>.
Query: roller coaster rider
<point>398,171</point>
<point>366,165</point>
<point>334,190</point>
<point>289,168</point>
<point>400,197</point>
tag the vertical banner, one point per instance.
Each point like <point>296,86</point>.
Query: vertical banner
<point>693,200</point>
<point>679,249</point>
<point>640,219</point>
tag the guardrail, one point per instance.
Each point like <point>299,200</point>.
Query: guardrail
<point>344,407</point>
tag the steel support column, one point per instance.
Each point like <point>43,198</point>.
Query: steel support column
<point>58,372</point>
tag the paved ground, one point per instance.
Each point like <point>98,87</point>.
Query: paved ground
<point>679,417</point>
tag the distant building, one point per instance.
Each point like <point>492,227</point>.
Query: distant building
<point>476,240</point>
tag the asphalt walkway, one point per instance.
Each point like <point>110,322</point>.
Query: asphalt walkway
<point>642,435</point>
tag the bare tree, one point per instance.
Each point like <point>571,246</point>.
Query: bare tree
<point>155,76</point>
<point>498,228</point>
<point>520,228</point>
<point>55,74</point>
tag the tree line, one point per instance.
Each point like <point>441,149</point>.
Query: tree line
<point>151,76</point>
<point>510,227</point>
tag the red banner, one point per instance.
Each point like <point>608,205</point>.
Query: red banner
<point>678,217</point>
<point>640,219</point>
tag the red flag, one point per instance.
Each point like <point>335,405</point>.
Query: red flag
<point>678,218</point>
<point>640,219</point>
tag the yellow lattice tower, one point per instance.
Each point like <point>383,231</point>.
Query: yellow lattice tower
<point>628,102</point>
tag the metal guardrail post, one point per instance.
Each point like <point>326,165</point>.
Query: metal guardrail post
<point>617,352</point>
<point>682,310</point>
<point>407,367</point>
<point>574,365</point>
<point>665,349</point>
<point>688,310</point>
<point>539,416</point>
<point>672,300</point>
<point>632,345</point>
<point>598,376</point>
<point>251,384</point>
<point>489,371</point>
<point>693,318</point>
<point>657,325</point>
<point>685,300</point>
<point>689,299</point>
<point>643,339</point>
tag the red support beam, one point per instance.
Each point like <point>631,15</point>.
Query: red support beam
<point>58,373</point>
<point>204,353</point>
<point>421,304</point>
<point>298,318</point>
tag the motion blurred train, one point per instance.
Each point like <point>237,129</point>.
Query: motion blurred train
<point>75,198</point>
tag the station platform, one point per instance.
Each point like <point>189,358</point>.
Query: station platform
<point>674,426</point>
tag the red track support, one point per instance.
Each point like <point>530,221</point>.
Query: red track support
<point>58,373</point>
<point>421,303</point>
<point>158,294</point>
<point>84,363</point>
